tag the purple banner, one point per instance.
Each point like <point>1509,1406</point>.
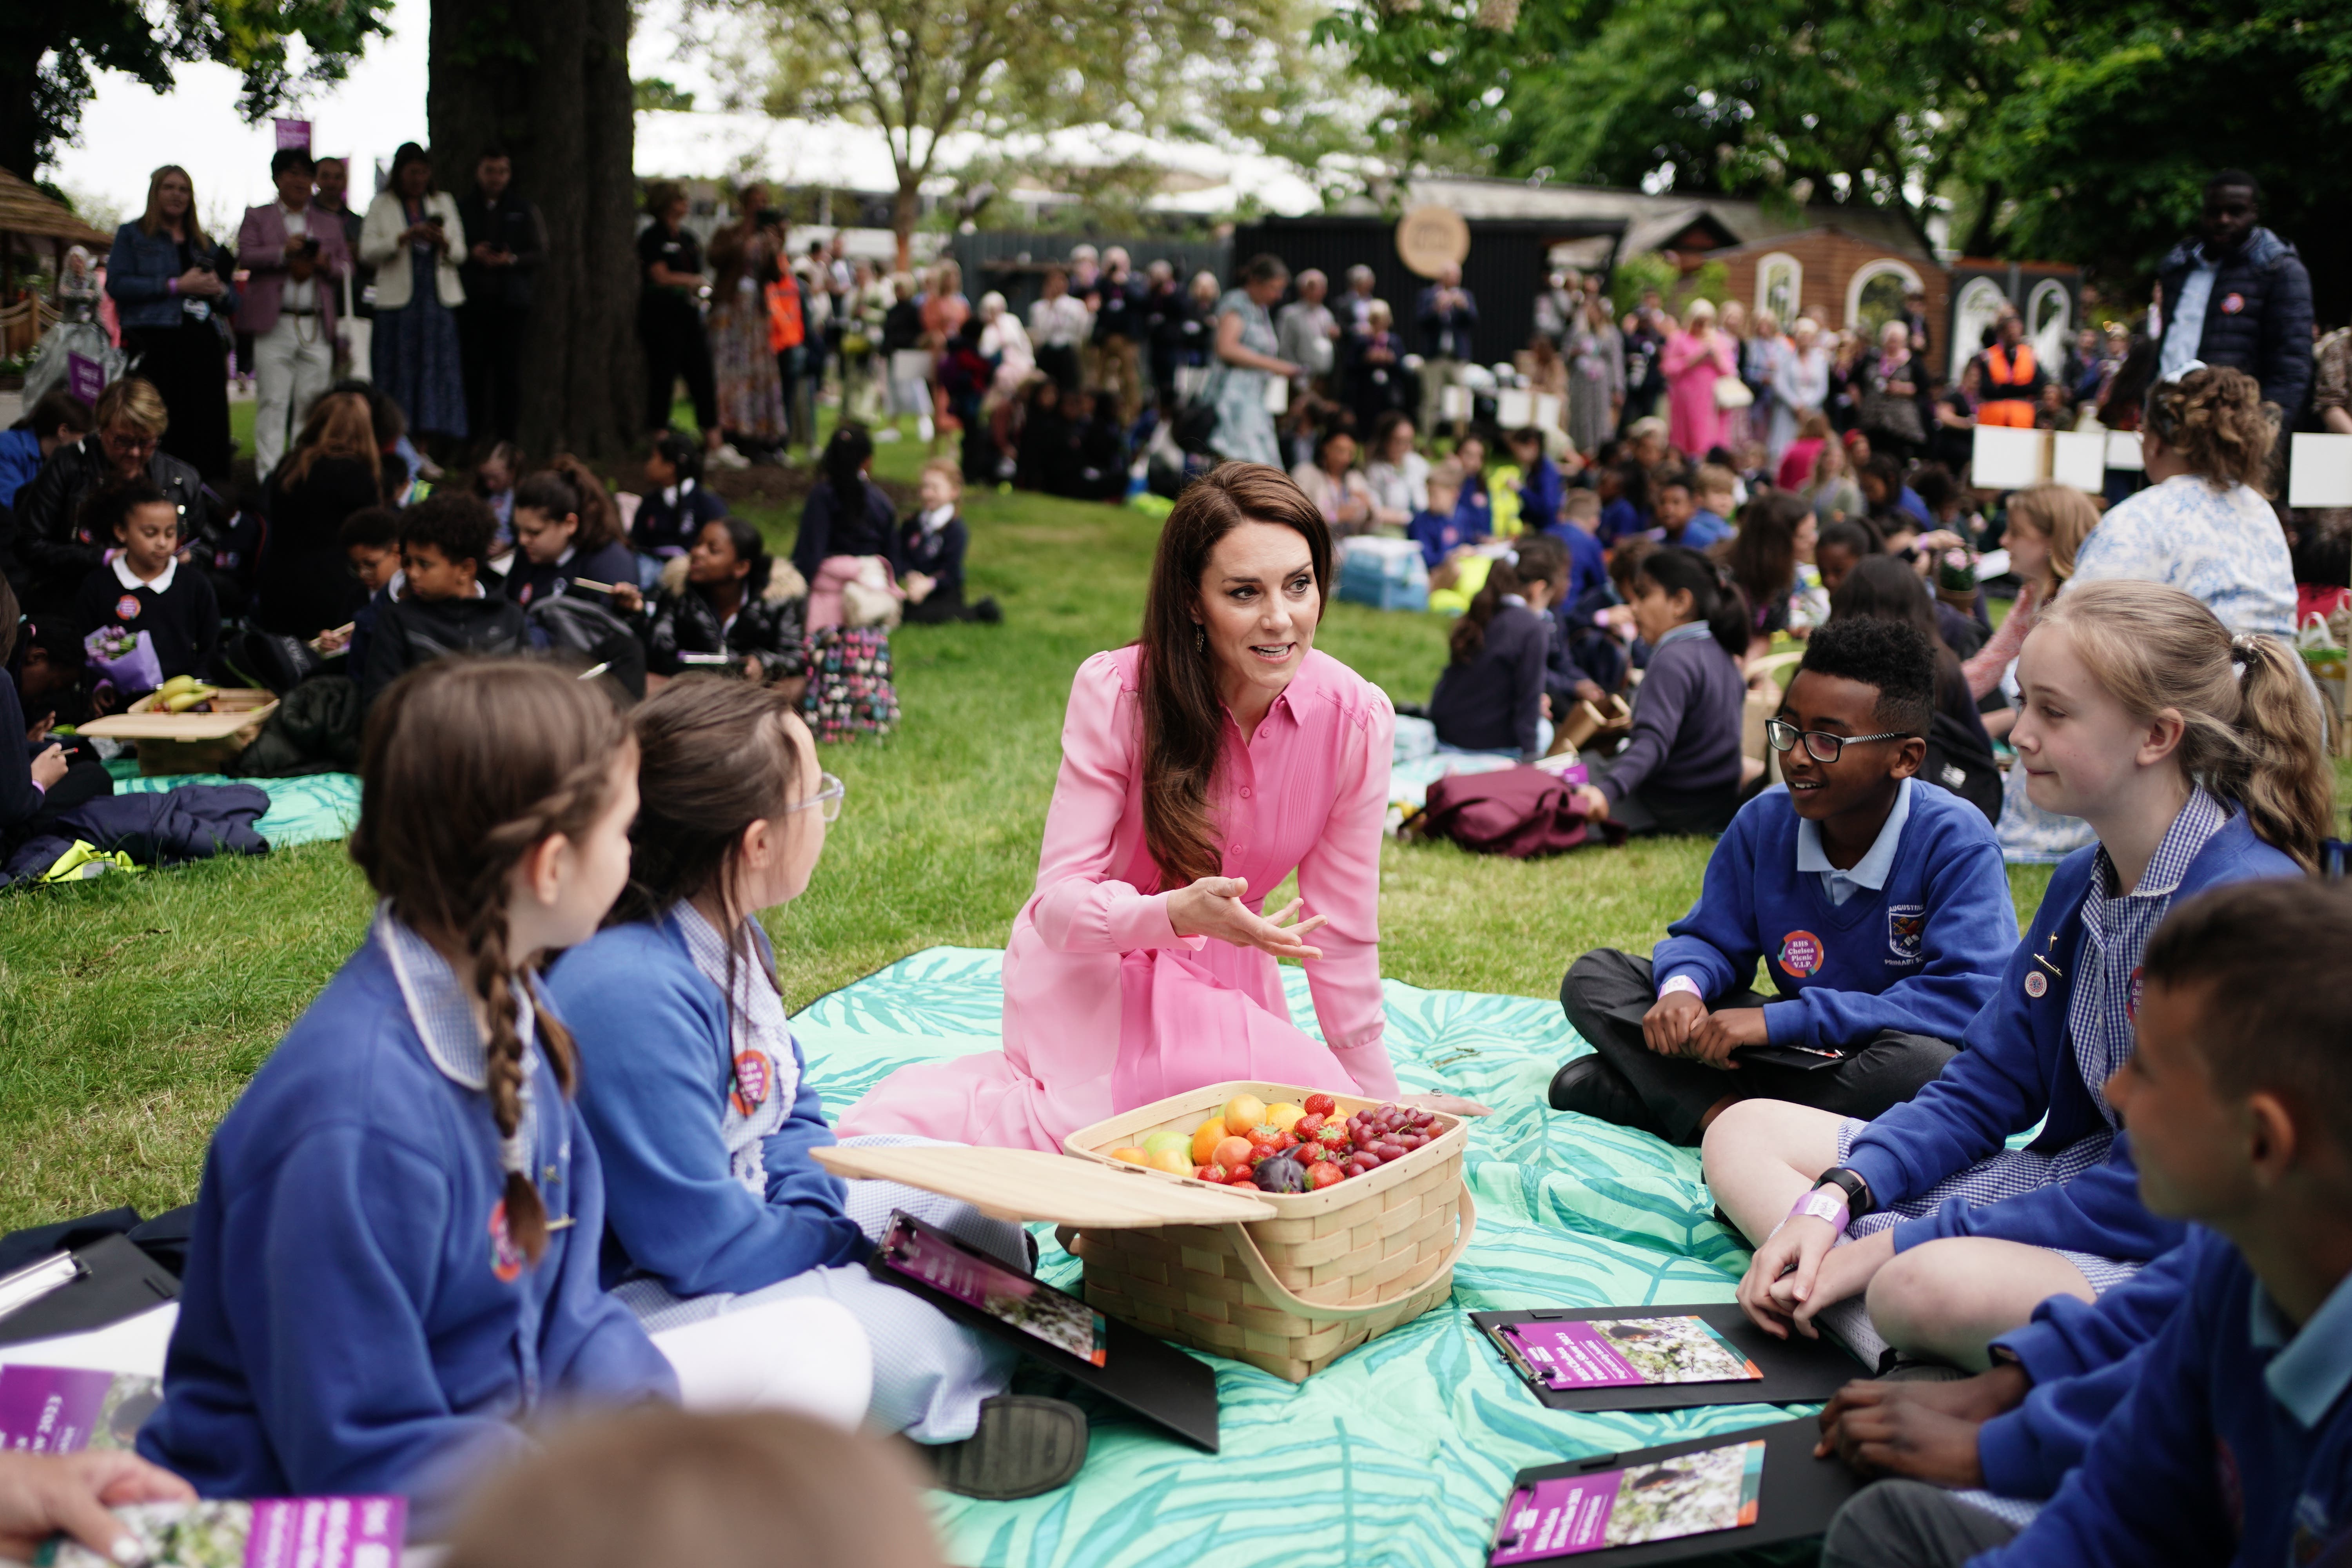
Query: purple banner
<point>84,377</point>
<point>293,134</point>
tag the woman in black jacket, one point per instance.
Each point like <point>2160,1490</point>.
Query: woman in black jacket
<point>306,584</point>
<point>726,607</point>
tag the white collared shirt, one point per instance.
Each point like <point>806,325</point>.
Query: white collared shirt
<point>938,518</point>
<point>130,579</point>
<point>304,295</point>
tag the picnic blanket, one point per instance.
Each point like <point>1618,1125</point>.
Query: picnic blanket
<point>302,810</point>
<point>1401,1453</point>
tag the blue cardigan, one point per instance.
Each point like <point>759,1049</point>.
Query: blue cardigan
<point>2230,1446</point>
<point>1921,955</point>
<point>2018,1067</point>
<point>347,1323</point>
<point>653,1037</point>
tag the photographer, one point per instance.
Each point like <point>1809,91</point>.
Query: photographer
<point>294,257</point>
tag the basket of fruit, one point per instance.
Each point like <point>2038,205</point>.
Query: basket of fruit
<point>184,726</point>
<point>1370,1214</point>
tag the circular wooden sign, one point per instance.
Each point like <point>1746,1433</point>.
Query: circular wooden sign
<point>1430,239</point>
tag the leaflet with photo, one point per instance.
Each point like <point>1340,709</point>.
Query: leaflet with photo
<point>978,1280</point>
<point>1693,1494</point>
<point>63,1410</point>
<point>268,1533</point>
<point>1625,1352</point>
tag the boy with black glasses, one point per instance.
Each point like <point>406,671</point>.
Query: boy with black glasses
<point>1881,909</point>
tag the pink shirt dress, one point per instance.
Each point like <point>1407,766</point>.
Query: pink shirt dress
<point>1106,1007</point>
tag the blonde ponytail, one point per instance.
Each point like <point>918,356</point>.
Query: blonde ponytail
<point>2250,725</point>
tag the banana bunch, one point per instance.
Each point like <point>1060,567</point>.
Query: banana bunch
<point>183,692</point>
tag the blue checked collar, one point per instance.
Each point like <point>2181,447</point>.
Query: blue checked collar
<point>438,1005</point>
<point>2201,818</point>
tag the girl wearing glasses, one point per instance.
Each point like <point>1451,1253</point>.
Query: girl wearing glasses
<point>696,1095</point>
<point>2197,757</point>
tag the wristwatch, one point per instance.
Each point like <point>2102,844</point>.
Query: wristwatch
<point>1849,1182</point>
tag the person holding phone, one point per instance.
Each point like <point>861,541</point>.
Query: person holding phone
<point>414,238</point>
<point>169,281</point>
<point>294,257</point>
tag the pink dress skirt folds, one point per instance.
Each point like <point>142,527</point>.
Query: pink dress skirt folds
<point>1106,1007</point>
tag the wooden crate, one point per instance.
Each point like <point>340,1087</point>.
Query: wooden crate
<point>190,742</point>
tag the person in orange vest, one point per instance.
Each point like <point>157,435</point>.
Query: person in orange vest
<point>788,339</point>
<point>2013,379</point>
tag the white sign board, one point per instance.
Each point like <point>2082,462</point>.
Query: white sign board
<point>1547,411</point>
<point>2319,471</point>
<point>2123,450</point>
<point>1514,408</point>
<point>2080,458</point>
<point>2006,459</point>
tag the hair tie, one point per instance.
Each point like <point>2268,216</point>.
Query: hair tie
<point>512,1157</point>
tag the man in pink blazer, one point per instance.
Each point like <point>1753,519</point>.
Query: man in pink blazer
<point>295,255</point>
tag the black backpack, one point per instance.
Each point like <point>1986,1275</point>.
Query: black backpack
<point>592,635</point>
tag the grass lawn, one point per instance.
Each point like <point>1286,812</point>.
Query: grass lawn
<point>132,1011</point>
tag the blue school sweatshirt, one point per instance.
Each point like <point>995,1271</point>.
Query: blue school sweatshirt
<point>1439,533</point>
<point>1494,700</point>
<point>1920,954</point>
<point>2018,1067</point>
<point>1588,563</point>
<point>1540,493</point>
<point>654,1074</point>
<point>352,1319</point>
<point>2083,1357</point>
<point>1687,722</point>
<point>1620,518</point>
<point>2234,1443</point>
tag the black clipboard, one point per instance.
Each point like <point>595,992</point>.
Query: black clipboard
<point>116,1280</point>
<point>1799,1494</point>
<point>1165,1386</point>
<point>1797,1371</point>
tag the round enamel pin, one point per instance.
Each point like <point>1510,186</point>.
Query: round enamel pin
<point>126,608</point>
<point>754,1079</point>
<point>1801,953</point>
<point>506,1258</point>
<point>2036,982</point>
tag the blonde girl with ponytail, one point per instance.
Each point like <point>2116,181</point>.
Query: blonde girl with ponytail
<point>2195,753</point>
<point>394,1256</point>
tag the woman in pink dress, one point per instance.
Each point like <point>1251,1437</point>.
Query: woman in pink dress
<point>1201,766</point>
<point>1695,359</point>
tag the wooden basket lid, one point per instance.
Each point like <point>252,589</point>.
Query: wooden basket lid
<point>243,707</point>
<point>1031,1185</point>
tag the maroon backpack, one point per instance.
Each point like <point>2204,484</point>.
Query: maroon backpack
<point>1521,812</point>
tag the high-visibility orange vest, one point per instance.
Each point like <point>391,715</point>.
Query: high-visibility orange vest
<point>785,329</point>
<point>2008,368</point>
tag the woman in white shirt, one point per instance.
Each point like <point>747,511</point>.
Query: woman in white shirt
<point>1397,475</point>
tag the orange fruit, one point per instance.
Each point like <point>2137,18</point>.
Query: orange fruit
<point>1206,1138</point>
<point>1243,1112</point>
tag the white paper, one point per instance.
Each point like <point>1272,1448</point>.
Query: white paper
<point>2319,471</point>
<point>1453,403</point>
<point>1514,409</point>
<point>2080,460</point>
<point>1278,395</point>
<point>2006,459</point>
<point>2123,450</point>
<point>1992,564</point>
<point>133,1345</point>
<point>1547,411</point>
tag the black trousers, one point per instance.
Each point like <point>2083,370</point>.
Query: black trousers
<point>1647,812</point>
<point>676,346</point>
<point>1910,1524</point>
<point>1060,361</point>
<point>1606,992</point>
<point>491,338</point>
<point>188,365</point>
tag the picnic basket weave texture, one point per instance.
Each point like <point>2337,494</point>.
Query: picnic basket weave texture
<point>1335,1270</point>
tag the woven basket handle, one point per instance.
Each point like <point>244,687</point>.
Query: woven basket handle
<point>1262,1274</point>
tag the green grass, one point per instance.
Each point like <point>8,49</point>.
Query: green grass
<point>132,1011</point>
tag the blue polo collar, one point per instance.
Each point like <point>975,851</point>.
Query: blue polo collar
<point>1873,869</point>
<point>2314,1364</point>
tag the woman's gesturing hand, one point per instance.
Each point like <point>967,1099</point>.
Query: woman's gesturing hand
<point>1212,906</point>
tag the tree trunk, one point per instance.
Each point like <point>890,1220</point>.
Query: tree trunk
<point>904,210</point>
<point>549,79</point>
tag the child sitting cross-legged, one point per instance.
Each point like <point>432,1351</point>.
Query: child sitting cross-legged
<point>727,605</point>
<point>2197,756</point>
<point>371,541</point>
<point>1491,697</point>
<point>566,529</point>
<point>145,587</point>
<point>700,1104</point>
<point>931,544</point>
<point>1879,906</point>
<point>441,607</point>
<point>2229,1444</point>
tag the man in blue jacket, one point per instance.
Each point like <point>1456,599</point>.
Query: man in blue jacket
<point>2234,1442</point>
<point>1880,906</point>
<point>2240,298</point>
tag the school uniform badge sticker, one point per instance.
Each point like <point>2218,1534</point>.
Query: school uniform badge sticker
<point>506,1258</point>
<point>126,608</point>
<point>1801,953</point>
<point>1906,930</point>
<point>755,1079</point>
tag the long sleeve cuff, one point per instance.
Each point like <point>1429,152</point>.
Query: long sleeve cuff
<point>1369,1066</point>
<point>2010,1457</point>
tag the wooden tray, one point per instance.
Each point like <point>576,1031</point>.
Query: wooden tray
<point>190,742</point>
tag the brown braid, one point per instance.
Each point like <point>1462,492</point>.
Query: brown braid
<point>468,764</point>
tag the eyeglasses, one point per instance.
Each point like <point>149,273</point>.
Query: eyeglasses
<point>124,441</point>
<point>828,799</point>
<point>1820,744</point>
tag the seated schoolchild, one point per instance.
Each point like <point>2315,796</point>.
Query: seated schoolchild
<point>145,587</point>
<point>370,542</point>
<point>494,482</point>
<point>1491,696</point>
<point>1881,910</point>
<point>566,530</point>
<point>39,778</point>
<point>1959,752</point>
<point>1679,771</point>
<point>1541,488</point>
<point>2198,759</point>
<point>730,605</point>
<point>2228,1445</point>
<point>1439,527</point>
<point>1680,521</point>
<point>932,544</point>
<point>1625,492</point>
<point>1716,499</point>
<point>1578,529</point>
<point>676,505</point>
<point>1598,635</point>
<point>393,1265</point>
<point>441,607</point>
<point>1473,509</point>
<point>698,1094</point>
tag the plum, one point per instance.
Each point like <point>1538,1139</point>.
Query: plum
<point>1281,1173</point>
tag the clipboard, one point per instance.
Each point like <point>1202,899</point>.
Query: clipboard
<point>113,1280</point>
<point>1798,1497</point>
<point>1165,1386</point>
<point>1797,1371</point>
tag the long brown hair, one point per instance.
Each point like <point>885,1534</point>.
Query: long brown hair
<point>2213,418</point>
<point>2250,727</point>
<point>1763,554</point>
<point>2061,514</point>
<point>340,425</point>
<point>151,222</point>
<point>468,764</point>
<point>1535,559</point>
<point>1183,716</point>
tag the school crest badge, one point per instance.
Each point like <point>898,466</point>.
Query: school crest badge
<point>1906,930</point>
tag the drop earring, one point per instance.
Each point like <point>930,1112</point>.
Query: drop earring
<point>1200,639</point>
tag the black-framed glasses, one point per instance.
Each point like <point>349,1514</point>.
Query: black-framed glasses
<point>826,800</point>
<point>1820,744</point>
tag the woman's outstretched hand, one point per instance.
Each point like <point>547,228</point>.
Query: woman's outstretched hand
<point>1212,906</point>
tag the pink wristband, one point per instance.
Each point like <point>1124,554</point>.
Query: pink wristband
<point>172,286</point>
<point>1824,1203</point>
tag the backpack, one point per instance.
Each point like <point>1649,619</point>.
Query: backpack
<point>849,688</point>
<point>1521,812</point>
<point>590,635</point>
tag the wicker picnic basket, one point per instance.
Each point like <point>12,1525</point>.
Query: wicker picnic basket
<point>1293,1293</point>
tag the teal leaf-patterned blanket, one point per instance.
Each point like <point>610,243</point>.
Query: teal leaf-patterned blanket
<point>1398,1454</point>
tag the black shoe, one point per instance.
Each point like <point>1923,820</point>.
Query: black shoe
<point>1025,1445</point>
<point>1590,1087</point>
<point>989,611</point>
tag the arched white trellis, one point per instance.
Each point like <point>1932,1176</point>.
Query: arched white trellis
<point>1982,302</point>
<point>1883,267</point>
<point>2049,327</point>
<point>1780,287</point>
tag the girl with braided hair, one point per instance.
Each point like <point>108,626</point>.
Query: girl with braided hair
<point>394,1259</point>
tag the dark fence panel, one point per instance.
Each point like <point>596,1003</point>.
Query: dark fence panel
<point>1012,261</point>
